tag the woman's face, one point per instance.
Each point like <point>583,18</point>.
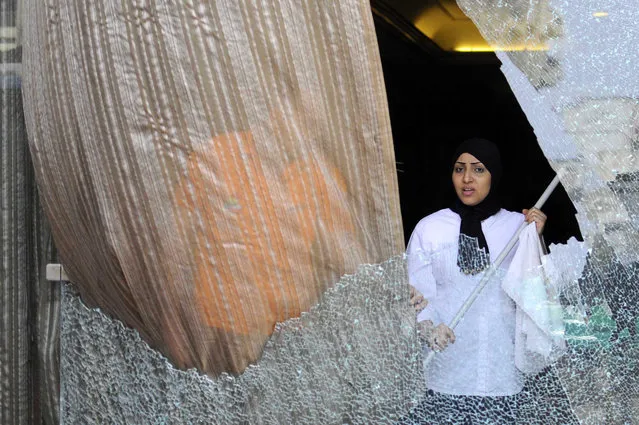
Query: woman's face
<point>471,179</point>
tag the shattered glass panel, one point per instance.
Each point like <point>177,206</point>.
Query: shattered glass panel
<point>572,66</point>
<point>354,358</point>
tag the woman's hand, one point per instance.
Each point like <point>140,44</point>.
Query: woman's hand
<point>535,214</point>
<point>437,337</point>
<point>417,300</point>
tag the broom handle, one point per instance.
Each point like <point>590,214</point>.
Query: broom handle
<point>494,266</point>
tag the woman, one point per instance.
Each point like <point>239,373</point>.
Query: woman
<point>473,378</point>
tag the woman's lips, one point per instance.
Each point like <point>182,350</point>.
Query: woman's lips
<point>468,192</point>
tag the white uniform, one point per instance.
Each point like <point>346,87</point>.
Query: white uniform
<point>481,362</point>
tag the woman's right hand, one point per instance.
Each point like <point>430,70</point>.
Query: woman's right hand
<point>437,337</point>
<point>417,300</point>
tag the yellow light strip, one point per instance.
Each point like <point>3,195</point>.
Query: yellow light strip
<point>484,48</point>
<point>600,14</point>
<point>474,49</point>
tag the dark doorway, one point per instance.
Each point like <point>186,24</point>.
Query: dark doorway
<point>436,100</point>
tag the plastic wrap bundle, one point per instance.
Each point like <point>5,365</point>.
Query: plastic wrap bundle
<point>210,168</point>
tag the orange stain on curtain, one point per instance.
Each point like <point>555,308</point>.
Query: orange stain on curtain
<point>274,239</point>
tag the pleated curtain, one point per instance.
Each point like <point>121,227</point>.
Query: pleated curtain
<point>210,168</point>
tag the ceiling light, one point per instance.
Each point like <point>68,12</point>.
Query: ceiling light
<point>600,14</point>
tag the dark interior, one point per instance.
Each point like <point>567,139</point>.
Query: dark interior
<point>436,100</point>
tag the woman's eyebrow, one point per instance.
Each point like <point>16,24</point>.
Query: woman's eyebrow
<point>471,163</point>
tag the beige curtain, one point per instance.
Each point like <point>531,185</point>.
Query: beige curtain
<point>210,168</point>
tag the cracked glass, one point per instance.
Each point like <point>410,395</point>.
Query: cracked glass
<point>358,355</point>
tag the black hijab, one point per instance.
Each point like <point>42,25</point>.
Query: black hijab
<point>473,255</point>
